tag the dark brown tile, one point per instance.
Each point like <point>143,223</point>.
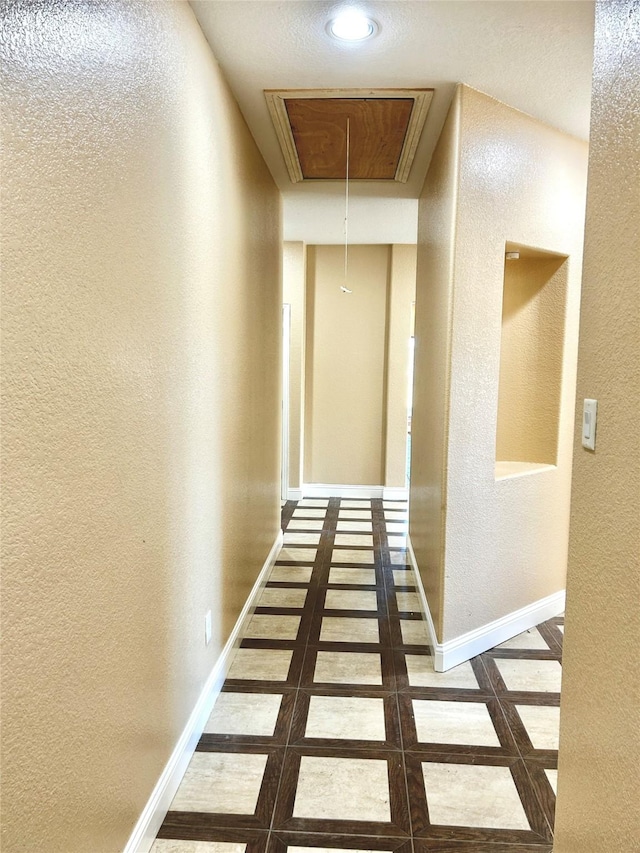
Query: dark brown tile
<point>535,767</point>
<point>445,846</point>
<point>551,634</point>
<point>195,827</point>
<point>280,841</point>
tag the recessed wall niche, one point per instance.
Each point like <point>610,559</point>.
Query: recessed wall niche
<point>531,356</point>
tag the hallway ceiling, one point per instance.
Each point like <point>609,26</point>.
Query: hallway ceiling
<point>535,55</point>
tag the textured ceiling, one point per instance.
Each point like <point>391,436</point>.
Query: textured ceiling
<point>535,55</point>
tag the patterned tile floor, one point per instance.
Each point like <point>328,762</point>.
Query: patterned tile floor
<point>333,731</point>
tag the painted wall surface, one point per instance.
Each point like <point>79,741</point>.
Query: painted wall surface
<point>598,782</point>
<point>357,364</point>
<point>294,293</point>
<point>434,287</point>
<point>140,357</point>
<point>531,352</point>
<point>345,375</point>
<point>520,181</point>
<point>317,217</point>
<point>402,289</point>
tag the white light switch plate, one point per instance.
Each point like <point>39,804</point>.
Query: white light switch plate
<point>589,419</point>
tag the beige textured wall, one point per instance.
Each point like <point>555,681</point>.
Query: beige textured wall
<point>531,349</point>
<point>520,181</point>
<point>140,352</point>
<point>434,288</point>
<point>402,289</point>
<point>345,365</point>
<point>294,293</point>
<point>599,781</point>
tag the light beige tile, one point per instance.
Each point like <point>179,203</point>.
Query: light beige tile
<point>542,724</point>
<point>359,539</point>
<point>473,795</point>
<point>408,602</point>
<point>346,717</point>
<point>399,558</point>
<point>350,599</point>
<point>531,639</point>
<point>245,714</point>
<point>454,722</point>
<point>356,514</point>
<point>323,783</point>
<point>305,524</point>
<point>317,502</point>
<point>296,538</point>
<point>397,541</point>
<point>348,503</point>
<point>328,850</point>
<point>404,577</point>
<point>400,506</point>
<point>532,675</point>
<point>552,776</point>
<point>265,627</point>
<point>395,514</point>
<point>361,576</point>
<point>174,845</point>
<point>308,512</point>
<point>297,555</point>
<point>221,782</point>
<point>364,526</point>
<point>261,664</point>
<point>282,596</point>
<point>347,555</point>
<point>348,668</point>
<point>414,632</point>
<point>396,527</point>
<point>346,630</point>
<point>295,574</point>
<point>560,628</point>
<point>422,674</point>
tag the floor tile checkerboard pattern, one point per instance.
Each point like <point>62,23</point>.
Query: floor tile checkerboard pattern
<point>334,732</point>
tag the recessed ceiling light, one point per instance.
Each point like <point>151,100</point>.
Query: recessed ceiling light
<point>352,25</point>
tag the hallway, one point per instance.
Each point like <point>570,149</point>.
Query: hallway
<point>332,722</point>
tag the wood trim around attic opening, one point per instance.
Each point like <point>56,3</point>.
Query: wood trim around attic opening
<point>276,103</point>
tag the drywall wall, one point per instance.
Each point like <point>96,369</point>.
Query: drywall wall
<point>434,287</point>
<point>294,294</point>
<point>317,217</point>
<point>140,359</point>
<point>598,781</point>
<point>531,350</point>
<point>402,289</point>
<point>345,365</point>
<point>505,540</point>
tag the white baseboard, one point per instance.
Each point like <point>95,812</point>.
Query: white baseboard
<point>327,490</point>
<point>467,646</point>
<point>394,493</point>
<point>154,812</point>
<point>433,638</point>
<point>294,494</point>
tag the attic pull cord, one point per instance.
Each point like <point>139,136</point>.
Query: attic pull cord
<point>344,287</point>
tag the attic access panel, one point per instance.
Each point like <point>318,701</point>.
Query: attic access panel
<point>385,128</point>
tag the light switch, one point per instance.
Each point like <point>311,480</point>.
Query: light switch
<point>589,418</point>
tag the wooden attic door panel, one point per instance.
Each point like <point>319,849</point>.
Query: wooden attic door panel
<point>378,127</point>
